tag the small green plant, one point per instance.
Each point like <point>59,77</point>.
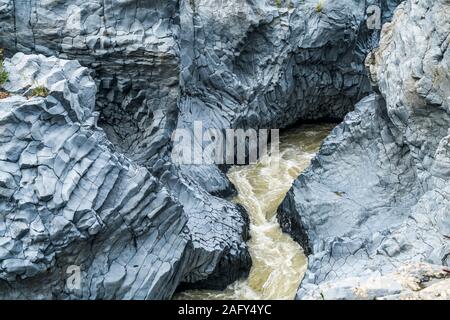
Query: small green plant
<point>3,74</point>
<point>39,91</point>
<point>319,6</point>
<point>278,3</point>
<point>192,3</point>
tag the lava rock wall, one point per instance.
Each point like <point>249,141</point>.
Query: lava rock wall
<point>376,196</point>
<point>149,224</point>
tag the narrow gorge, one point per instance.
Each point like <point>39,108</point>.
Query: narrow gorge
<point>93,94</point>
<point>278,262</point>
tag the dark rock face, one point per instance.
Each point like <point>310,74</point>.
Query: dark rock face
<point>134,58</point>
<point>253,65</point>
<point>229,63</point>
<point>68,197</point>
<point>157,66</point>
<point>376,196</point>
<point>132,51</point>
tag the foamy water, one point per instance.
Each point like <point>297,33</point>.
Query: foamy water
<point>278,261</point>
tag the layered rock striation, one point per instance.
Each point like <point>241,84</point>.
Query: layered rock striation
<point>230,64</point>
<point>87,178</point>
<point>69,198</point>
<point>377,194</point>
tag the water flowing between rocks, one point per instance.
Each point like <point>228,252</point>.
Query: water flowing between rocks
<point>278,261</point>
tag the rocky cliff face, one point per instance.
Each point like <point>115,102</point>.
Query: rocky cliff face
<point>130,47</point>
<point>89,181</point>
<point>255,65</point>
<point>377,194</point>
<point>86,177</point>
<point>68,197</point>
<point>132,53</point>
<point>238,64</point>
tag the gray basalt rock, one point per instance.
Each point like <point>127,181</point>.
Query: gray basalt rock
<point>159,65</point>
<point>230,64</point>
<point>377,194</point>
<point>69,198</point>
<point>413,281</point>
<point>131,48</point>
<point>251,64</point>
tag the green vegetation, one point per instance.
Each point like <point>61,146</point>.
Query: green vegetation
<point>319,6</point>
<point>3,73</point>
<point>278,3</point>
<point>39,91</point>
<point>192,3</point>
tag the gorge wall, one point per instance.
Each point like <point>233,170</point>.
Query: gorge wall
<point>87,179</point>
<point>69,198</point>
<point>230,64</point>
<point>376,197</point>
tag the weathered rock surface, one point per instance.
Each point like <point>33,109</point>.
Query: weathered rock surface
<point>418,281</point>
<point>158,65</point>
<point>255,65</point>
<point>132,49</point>
<point>378,193</point>
<point>250,64</point>
<point>68,197</point>
<point>164,64</point>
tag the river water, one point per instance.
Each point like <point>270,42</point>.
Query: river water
<point>278,261</point>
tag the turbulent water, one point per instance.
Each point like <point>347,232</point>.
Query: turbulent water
<point>278,261</point>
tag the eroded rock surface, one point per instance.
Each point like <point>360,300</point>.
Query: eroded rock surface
<point>130,46</point>
<point>378,193</point>
<point>251,64</point>
<point>158,65</point>
<point>413,281</point>
<point>68,197</point>
<point>163,64</point>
